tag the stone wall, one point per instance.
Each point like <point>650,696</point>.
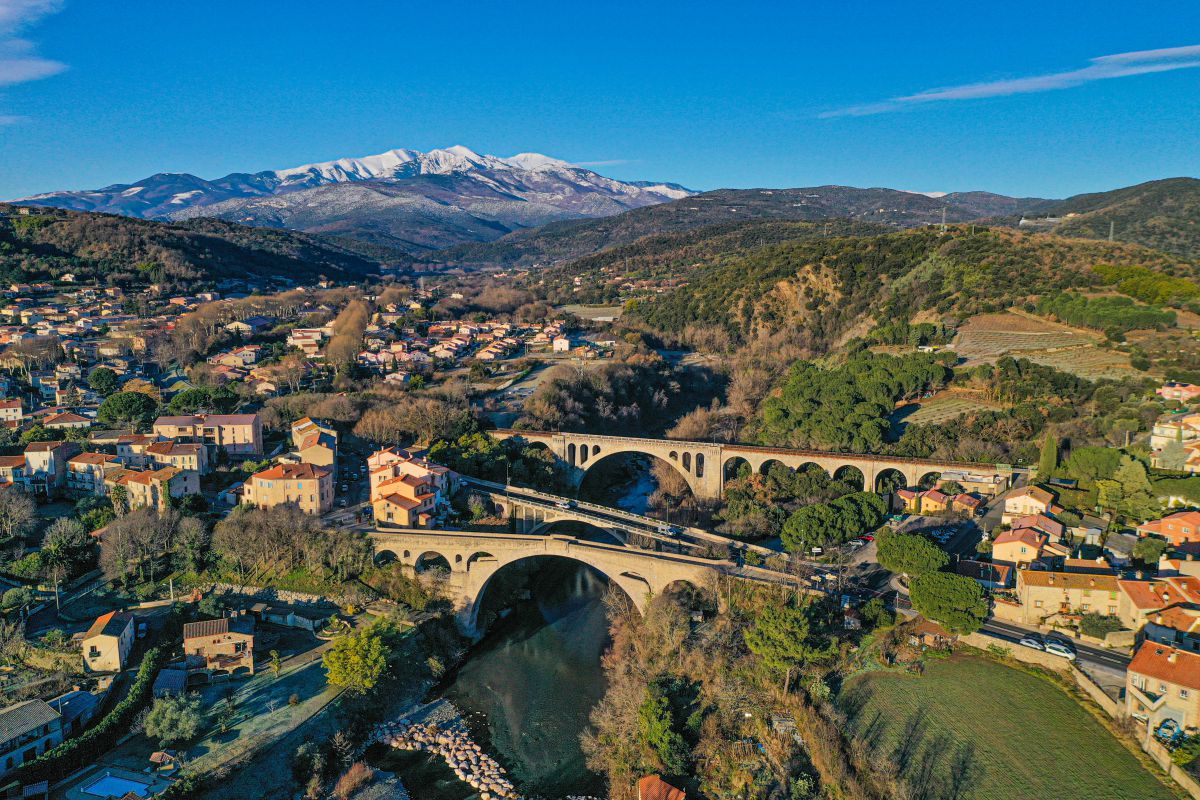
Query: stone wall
<point>270,595</point>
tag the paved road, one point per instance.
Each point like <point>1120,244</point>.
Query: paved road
<point>1087,654</point>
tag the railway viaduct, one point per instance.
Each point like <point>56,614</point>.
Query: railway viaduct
<point>704,465</point>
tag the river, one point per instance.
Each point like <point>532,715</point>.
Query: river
<point>527,688</point>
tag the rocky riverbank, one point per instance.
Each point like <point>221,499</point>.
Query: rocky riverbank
<point>453,744</point>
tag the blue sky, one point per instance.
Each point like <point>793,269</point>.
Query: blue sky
<point>1041,99</point>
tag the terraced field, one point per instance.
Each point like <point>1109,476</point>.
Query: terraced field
<point>987,337</point>
<point>942,407</point>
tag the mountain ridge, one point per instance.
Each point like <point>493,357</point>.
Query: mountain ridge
<point>417,201</point>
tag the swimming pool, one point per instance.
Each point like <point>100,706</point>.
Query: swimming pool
<point>116,786</point>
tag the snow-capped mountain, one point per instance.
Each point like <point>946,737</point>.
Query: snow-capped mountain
<point>402,198</point>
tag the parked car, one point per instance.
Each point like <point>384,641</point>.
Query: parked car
<point>868,537</point>
<point>854,544</point>
<point>1032,642</point>
<point>1060,649</point>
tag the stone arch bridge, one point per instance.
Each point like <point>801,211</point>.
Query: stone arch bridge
<point>474,557</point>
<point>704,465</point>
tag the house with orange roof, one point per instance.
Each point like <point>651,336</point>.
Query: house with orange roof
<point>1177,626</point>
<point>67,419</point>
<point>181,455</point>
<point>1019,547</point>
<point>1045,594</point>
<point>46,465</point>
<point>86,472</point>
<point>154,488</point>
<point>406,490</point>
<point>1178,528</point>
<point>239,434</point>
<point>934,501</point>
<point>911,499</point>
<point>1047,525</point>
<point>1183,392</point>
<point>1142,599</point>
<point>11,413</point>
<point>967,503</point>
<point>1026,501</point>
<point>1163,683</point>
<point>306,486</point>
<point>108,642</point>
<point>652,787</point>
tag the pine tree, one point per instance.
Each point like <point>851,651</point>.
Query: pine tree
<point>1048,460</point>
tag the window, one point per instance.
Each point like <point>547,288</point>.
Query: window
<point>1085,606</point>
<point>1037,603</point>
<point>1162,688</point>
<point>1183,694</point>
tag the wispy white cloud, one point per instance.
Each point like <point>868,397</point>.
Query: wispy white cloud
<point>1118,65</point>
<point>19,60</point>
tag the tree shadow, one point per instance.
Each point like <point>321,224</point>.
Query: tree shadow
<point>909,741</point>
<point>965,772</point>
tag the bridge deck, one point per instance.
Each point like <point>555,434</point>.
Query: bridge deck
<point>758,449</point>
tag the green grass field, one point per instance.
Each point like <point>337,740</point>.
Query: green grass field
<point>973,728</point>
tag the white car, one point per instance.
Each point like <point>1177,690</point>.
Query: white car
<point>1032,642</point>
<point>1062,649</point>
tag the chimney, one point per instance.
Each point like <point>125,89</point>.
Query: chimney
<point>1172,656</point>
<point>1158,620</point>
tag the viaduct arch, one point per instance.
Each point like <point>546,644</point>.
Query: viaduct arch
<point>704,464</point>
<point>473,559</point>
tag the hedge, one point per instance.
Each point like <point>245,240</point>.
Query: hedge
<point>100,738</point>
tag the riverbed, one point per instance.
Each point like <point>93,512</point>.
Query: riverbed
<point>526,690</point>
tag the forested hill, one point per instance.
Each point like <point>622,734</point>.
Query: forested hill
<point>568,240</point>
<point>1164,215</point>
<point>48,243</point>
<point>662,261</point>
<point>815,289</point>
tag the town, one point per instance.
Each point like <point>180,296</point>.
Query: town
<point>558,402</point>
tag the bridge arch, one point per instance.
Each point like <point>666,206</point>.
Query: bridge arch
<point>635,587</point>
<point>889,480</point>
<point>769,464</point>
<point>851,475</point>
<point>481,557</point>
<point>430,560</point>
<point>681,464</point>
<point>734,466</point>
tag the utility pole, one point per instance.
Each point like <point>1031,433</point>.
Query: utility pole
<point>943,219</point>
<point>1111,229</point>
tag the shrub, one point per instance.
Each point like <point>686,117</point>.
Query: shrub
<point>1098,625</point>
<point>358,776</point>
